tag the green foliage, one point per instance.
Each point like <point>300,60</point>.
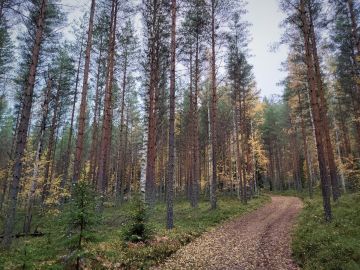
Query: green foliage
<point>190,223</point>
<point>82,218</point>
<point>329,246</point>
<point>137,230</point>
<point>25,256</point>
<point>110,251</point>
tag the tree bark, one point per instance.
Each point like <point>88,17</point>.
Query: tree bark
<point>238,151</point>
<point>305,145</point>
<point>69,144</point>
<point>354,26</point>
<point>213,183</point>
<point>121,152</point>
<point>102,178</point>
<point>83,104</point>
<point>356,58</point>
<point>52,143</point>
<point>315,107</point>
<point>95,126</point>
<point>34,184</point>
<point>323,111</point>
<point>21,137</point>
<point>154,43</point>
<point>171,158</point>
<point>4,186</point>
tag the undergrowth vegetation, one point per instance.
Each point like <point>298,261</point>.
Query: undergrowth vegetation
<point>153,243</point>
<point>329,246</point>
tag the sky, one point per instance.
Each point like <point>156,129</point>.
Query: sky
<point>265,18</point>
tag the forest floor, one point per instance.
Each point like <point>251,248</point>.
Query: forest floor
<point>108,250</point>
<point>328,246</point>
<point>258,240</point>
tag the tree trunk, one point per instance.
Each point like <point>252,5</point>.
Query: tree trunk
<point>213,183</point>
<point>243,145</point>
<point>83,104</point>
<point>34,183</point>
<point>52,143</point>
<point>4,186</point>
<point>354,26</point>
<point>314,97</point>
<point>195,142</point>
<point>306,152</point>
<point>121,152</point>
<point>355,58</point>
<point>125,180</point>
<point>21,137</point>
<point>106,127</point>
<point>95,126</point>
<point>190,145</point>
<point>342,178</point>
<point>323,112</point>
<point>69,144</point>
<point>238,151</point>
<point>171,158</point>
<point>154,65</point>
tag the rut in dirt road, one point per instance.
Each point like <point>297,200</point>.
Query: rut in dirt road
<point>258,240</point>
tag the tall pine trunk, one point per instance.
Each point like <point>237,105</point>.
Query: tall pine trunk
<point>238,149</point>
<point>213,183</point>
<point>69,144</point>
<point>95,126</point>
<point>315,107</point>
<point>23,127</point>
<point>102,177</point>
<point>52,143</point>
<point>38,153</point>
<point>83,104</point>
<point>121,151</point>
<point>306,151</point>
<point>196,150</point>
<point>153,43</point>
<point>355,58</point>
<point>171,158</point>
<point>323,112</point>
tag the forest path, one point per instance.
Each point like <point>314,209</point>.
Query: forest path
<point>258,240</point>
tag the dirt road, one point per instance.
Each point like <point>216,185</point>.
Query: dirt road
<point>258,240</point>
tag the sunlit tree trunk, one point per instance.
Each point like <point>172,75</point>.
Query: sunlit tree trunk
<point>315,107</point>
<point>323,112</point>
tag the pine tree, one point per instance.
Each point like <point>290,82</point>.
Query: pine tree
<point>154,14</point>
<point>105,142</point>
<point>83,104</point>
<point>81,218</point>
<point>39,15</point>
<point>171,159</point>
